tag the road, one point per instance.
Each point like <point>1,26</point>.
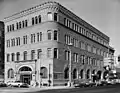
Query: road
<point>100,89</point>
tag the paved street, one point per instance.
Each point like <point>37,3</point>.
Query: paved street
<point>100,89</point>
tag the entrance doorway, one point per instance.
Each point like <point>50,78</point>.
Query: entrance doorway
<point>26,78</point>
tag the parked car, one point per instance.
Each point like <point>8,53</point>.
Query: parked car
<point>15,84</point>
<point>3,84</point>
<point>24,85</point>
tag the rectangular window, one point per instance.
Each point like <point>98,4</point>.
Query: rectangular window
<point>25,55</point>
<point>49,52</point>
<point>50,16</point>
<point>39,17</point>
<point>82,45</point>
<point>18,41</point>
<point>7,28</point>
<point>23,24</point>
<point>8,57</point>
<point>26,23</point>
<point>32,38</point>
<point>55,17</point>
<point>25,39</point>
<point>13,27</point>
<point>17,26</point>
<point>20,25</point>
<point>39,53</point>
<point>55,35</point>
<point>49,35</point>
<point>13,57</point>
<point>65,21</point>
<point>33,21</point>
<point>32,54</point>
<point>8,43</point>
<point>36,20</point>
<point>18,56</point>
<point>75,57</point>
<point>39,36</point>
<point>55,53</point>
<point>10,28</point>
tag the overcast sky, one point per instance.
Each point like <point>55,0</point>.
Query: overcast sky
<point>102,14</point>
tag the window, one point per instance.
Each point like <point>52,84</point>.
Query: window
<point>44,72</point>
<point>49,52</point>
<point>94,50</point>
<point>64,21</point>
<point>32,54</point>
<point>32,38</point>
<point>13,42</point>
<point>8,57</point>
<point>39,36</point>
<point>66,73</point>
<point>33,21</point>
<point>25,55</point>
<point>26,23</point>
<point>55,35</point>
<point>13,27</point>
<point>82,45</point>
<point>19,24</point>
<point>39,17</point>
<point>8,43</point>
<point>74,74</point>
<point>13,57</point>
<point>10,73</point>
<point>8,29</point>
<point>50,16</point>
<point>18,41</point>
<point>49,35</point>
<point>83,59</point>
<point>55,17</point>
<point>23,24</point>
<point>55,53</point>
<point>39,53</point>
<point>67,55</point>
<point>75,57</point>
<point>36,20</point>
<point>17,56</point>
<point>25,39</point>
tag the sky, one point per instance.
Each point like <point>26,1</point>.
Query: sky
<point>102,14</point>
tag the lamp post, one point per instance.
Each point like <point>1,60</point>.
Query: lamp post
<point>35,69</point>
<point>70,65</point>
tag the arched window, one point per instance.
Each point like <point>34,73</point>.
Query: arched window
<point>81,74</point>
<point>88,74</point>
<point>25,55</point>
<point>74,73</point>
<point>44,72</point>
<point>66,73</point>
<point>25,68</point>
<point>10,73</point>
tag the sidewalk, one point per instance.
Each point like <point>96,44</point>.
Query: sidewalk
<point>23,90</point>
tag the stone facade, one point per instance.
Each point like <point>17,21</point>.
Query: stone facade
<point>58,27</point>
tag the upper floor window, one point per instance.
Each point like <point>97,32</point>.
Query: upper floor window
<point>67,55</point>
<point>13,57</point>
<point>39,18</point>
<point>49,52</point>
<point>55,53</point>
<point>18,41</point>
<point>32,54</point>
<point>39,53</point>
<point>36,20</point>
<point>83,59</point>
<point>49,35</point>
<point>17,56</point>
<point>13,42</point>
<point>55,35</point>
<point>82,45</point>
<point>50,16</point>
<point>25,39</point>
<point>8,57</point>
<point>20,25</point>
<point>32,38</point>
<point>39,36</point>
<point>23,24</point>
<point>33,21</point>
<point>13,27</point>
<point>17,25</point>
<point>8,43</point>
<point>75,57</point>
<point>55,17</point>
<point>8,29</point>
<point>26,23</point>
<point>25,55</point>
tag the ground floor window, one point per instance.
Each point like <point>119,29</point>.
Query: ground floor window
<point>11,73</point>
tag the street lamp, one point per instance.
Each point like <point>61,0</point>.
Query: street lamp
<point>70,65</point>
<point>35,69</point>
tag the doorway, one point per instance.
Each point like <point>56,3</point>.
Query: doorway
<point>26,78</point>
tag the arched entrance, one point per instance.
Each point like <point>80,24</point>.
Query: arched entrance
<point>66,73</point>
<point>25,74</point>
<point>74,73</point>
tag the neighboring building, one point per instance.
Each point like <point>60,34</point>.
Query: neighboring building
<point>1,51</point>
<point>39,37</point>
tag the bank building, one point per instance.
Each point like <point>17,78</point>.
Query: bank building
<point>51,45</point>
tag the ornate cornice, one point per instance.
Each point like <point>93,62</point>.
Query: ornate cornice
<point>57,7</point>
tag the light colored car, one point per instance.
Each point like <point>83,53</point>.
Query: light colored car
<point>16,83</point>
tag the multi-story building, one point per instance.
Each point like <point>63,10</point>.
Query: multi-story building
<point>1,51</point>
<point>37,46</point>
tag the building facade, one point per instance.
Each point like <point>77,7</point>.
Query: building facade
<point>37,46</point>
<point>1,51</point>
